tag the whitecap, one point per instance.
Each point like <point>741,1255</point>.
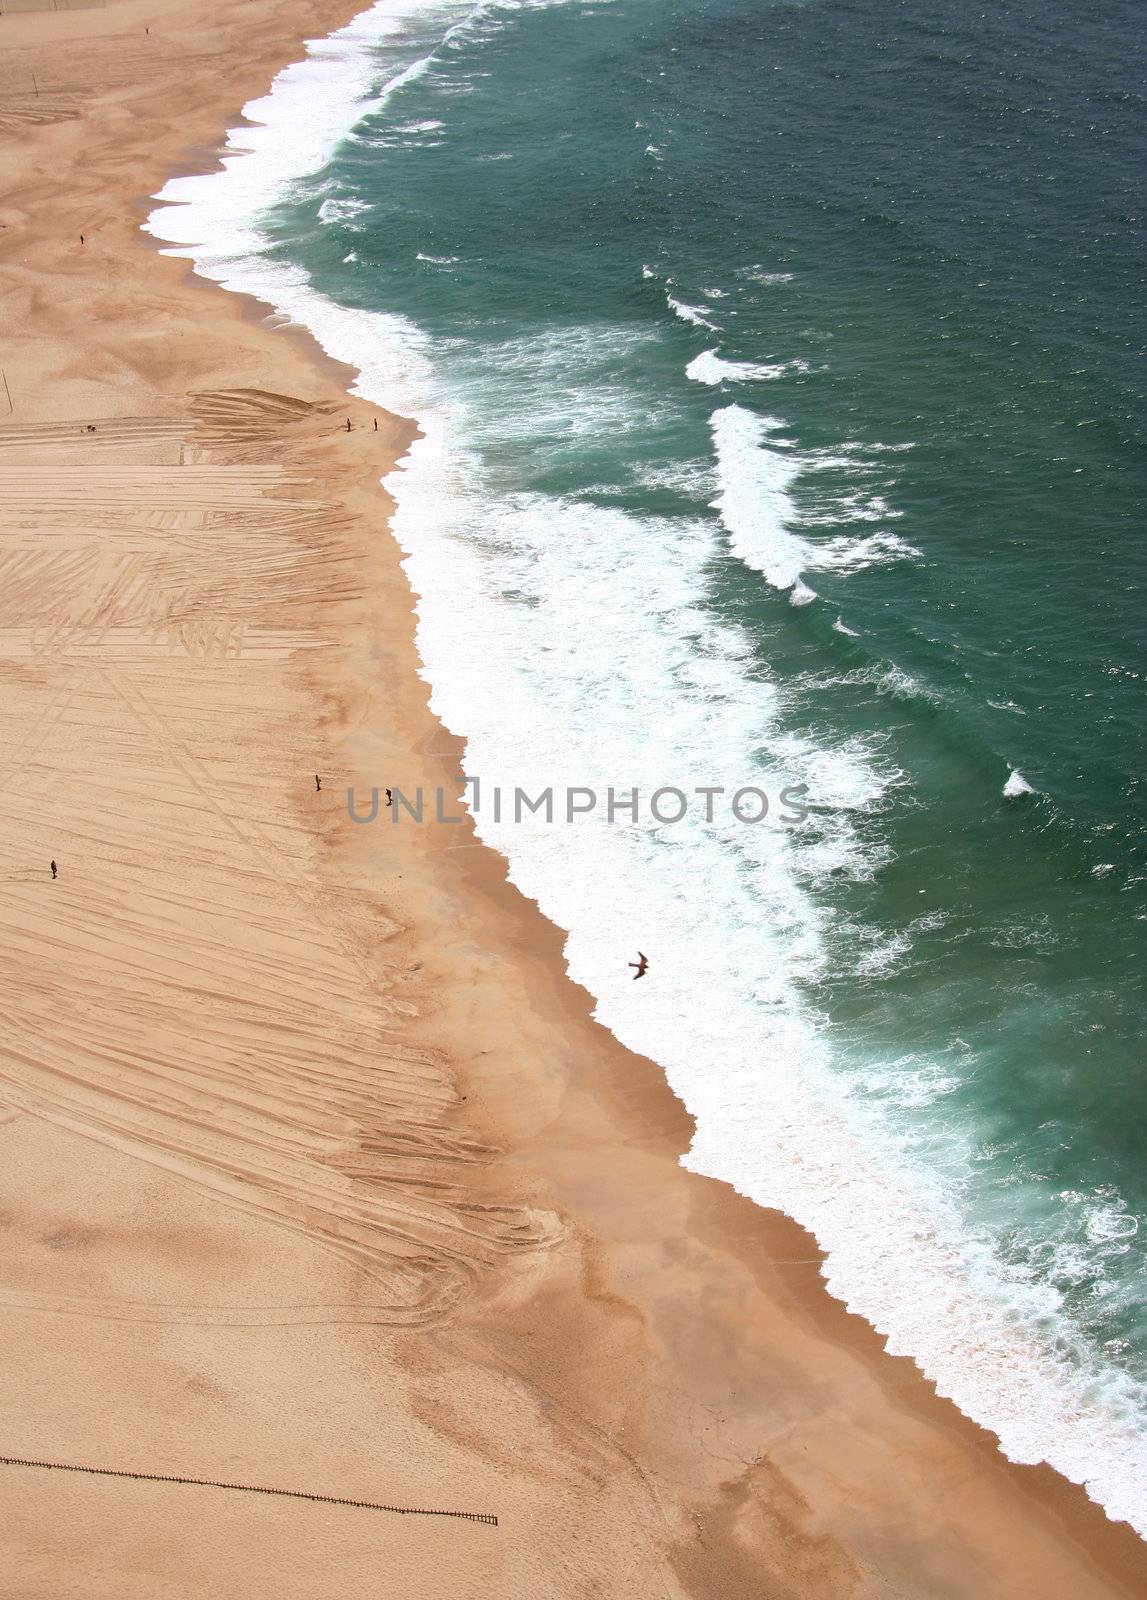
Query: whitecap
<point>709,368</point>
<point>846,555</point>
<point>692,314</point>
<point>753,498</point>
<point>341,210</point>
<point>1105,1225</point>
<point>829,507</point>
<point>759,275</point>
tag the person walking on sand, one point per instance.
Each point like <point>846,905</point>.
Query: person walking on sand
<point>318,783</point>
<point>55,869</point>
<point>389,799</point>
<point>348,424</point>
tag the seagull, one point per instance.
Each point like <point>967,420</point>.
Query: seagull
<point>641,965</point>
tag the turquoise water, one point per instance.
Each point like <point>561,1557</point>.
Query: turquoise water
<point>781,372</point>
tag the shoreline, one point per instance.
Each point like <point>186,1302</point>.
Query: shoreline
<point>669,1374</point>
<point>895,1244</point>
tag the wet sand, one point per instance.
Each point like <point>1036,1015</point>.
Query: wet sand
<point>315,1171</point>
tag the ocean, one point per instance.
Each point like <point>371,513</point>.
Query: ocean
<point>779,373</point>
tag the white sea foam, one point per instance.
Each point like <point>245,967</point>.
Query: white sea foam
<point>1016,785</point>
<point>693,314</point>
<point>842,554</point>
<point>759,275</point>
<point>314,104</point>
<point>829,508</point>
<point>580,381</point>
<point>696,479</point>
<point>1025,933</point>
<point>1106,1224</point>
<point>757,474</point>
<point>708,367</point>
<point>840,626</point>
<point>341,210</point>
<point>754,499</point>
<point>672,694</point>
<point>910,1083</point>
<point>885,679</point>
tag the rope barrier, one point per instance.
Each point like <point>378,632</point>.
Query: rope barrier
<point>253,1488</point>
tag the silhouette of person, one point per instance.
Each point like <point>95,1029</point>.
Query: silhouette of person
<point>348,424</point>
<point>389,801</point>
<point>54,869</point>
<point>318,782</point>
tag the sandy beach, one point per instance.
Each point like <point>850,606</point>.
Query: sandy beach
<point>315,1172</point>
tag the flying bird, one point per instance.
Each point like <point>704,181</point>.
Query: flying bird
<point>642,966</point>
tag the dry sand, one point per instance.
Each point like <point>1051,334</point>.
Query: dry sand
<point>314,1170</point>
